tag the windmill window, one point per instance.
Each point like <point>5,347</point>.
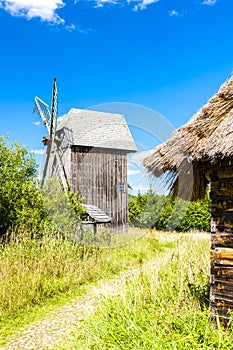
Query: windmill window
<point>121,186</point>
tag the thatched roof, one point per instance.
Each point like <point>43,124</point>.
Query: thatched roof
<point>208,136</point>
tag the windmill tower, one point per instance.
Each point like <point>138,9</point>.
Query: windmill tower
<point>88,151</point>
<point>49,117</point>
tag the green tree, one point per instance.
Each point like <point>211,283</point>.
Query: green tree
<point>145,209</point>
<point>166,214</point>
<point>197,216</point>
<point>64,208</point>
<point>152,210</point>
<point>136,205</point>
<point>21,203</point>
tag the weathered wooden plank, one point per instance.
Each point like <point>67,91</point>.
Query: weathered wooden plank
<point>222,216</point>
<point>224,300</point>
<point>225,173</point>
<point>221,281</point>
<point>96,174</point>
<point>221,310</point>
<point>221,273</point>
<point>223,187</point>
<point>222,284</point>
<point>222,256</point>
<point>113,191</point>
<point>222,307</point>
<point>223,204</point>
<point>222,239</point>
<point>222,220</point>
<point>222,289</point>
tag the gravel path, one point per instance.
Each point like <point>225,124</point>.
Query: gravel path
<point>47,333</point>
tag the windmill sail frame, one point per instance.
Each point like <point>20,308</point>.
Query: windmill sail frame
<point>49,117</point>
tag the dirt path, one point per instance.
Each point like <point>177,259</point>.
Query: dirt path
<point>48,332</point>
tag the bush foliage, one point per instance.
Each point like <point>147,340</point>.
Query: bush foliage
<point>21,203</point>
<point>151,210</point>
<point>23,206</point>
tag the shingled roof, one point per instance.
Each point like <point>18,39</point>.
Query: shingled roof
<point>97,129</point>
<point>96,214</point>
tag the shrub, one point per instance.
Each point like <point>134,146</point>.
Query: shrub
<point>23,206</point>
<point>20,200</point>
<point>64,208</point>
<point>151,210</point>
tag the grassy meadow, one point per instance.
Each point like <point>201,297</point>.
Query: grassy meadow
<point>38,275</point>
<point>162,308</point>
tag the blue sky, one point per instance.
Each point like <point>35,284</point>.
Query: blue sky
<point>170,56</point>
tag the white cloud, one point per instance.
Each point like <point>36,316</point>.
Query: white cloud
<point>142,5</point>
<point>209,2</point>
<point>84,30</point>
<point>38,151</point>
<point>37,123</point>
<point>173,13</point>
<point>71,27</point>
<point>101,3</point>
<point>46,10</point>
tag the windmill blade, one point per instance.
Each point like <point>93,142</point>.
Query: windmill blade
<point>50,120</point>
<point>53,126</point>
<point>44,112</point>
<point>54,109</point>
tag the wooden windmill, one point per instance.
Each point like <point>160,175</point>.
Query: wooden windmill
<point>49,117</point>
<point>88,151</point>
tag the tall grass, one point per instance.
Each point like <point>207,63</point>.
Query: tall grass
<point>34,272</point>
<point>164,308</point>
